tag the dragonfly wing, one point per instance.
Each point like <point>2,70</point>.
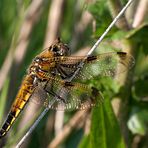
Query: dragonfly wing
<point>39,96</point>
<point>70,96</point>
<point>61,95</point>
<point>107,64</point>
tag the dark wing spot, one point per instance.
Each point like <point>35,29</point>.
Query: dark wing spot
<point>68,84</point>
<point>122,54</point>
<point>91,58</point>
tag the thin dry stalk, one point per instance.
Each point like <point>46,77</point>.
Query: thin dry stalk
<point>59,121</point>
<point>141,12</point>
<point>32,15</point>
<point>80,27</point>
<point>115,7</point>
<point>53,26</point>
<point>76,119</point>
<point>136,141</point>
<point>110,26</point>
<point>81,23</point>
<point>54,21</point>
<point>87,125</point>
<point>6,67</point>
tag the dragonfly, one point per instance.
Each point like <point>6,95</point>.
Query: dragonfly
<point>49,80</point>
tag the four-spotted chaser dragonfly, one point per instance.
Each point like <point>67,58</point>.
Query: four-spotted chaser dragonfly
<point>48,76</point>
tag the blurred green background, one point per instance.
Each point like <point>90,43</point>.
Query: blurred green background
<point>29,26</point>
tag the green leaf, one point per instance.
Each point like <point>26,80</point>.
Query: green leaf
<point>105,131</point>
<point>85,142</point>
<point>97,135</point>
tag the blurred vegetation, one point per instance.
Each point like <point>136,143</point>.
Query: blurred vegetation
<point>122,120</point>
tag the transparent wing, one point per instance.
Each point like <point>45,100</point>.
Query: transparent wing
<point>62,95</point>
<point>70,96</point>
<point>107,64</point>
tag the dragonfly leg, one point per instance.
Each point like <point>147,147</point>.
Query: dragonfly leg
<point>53,93</point>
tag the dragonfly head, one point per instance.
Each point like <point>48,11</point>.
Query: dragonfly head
<point>59,48</point>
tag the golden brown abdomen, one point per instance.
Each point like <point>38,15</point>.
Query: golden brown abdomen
<point>21,100</point>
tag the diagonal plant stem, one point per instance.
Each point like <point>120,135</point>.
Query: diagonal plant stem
<point>33,127</point>
<point>114,8</point>
<point>103,35</point>
<point>109,27</point>
<point>89,53</point>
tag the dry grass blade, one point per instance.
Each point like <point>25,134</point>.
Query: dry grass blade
<point>79,116</point>
<point>6,67</point>
<point>32,15</point>
<point>140,14</point>
<point>80,25</point>
<point>53,25</point>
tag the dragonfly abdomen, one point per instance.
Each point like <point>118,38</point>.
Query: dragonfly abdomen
<point>21,100</point>
<point>6,126</point>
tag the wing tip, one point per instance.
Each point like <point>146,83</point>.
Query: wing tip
<point>130,58</point>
